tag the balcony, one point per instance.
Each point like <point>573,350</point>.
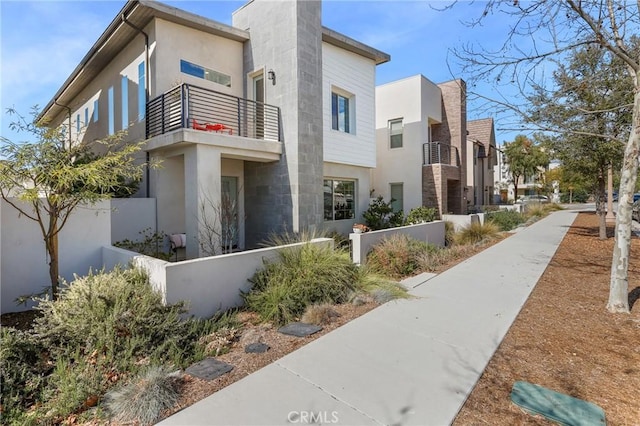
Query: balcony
<point>193,107</point>
<point>440,153</point>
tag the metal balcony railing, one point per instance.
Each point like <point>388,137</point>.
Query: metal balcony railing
<point>440,153</point>
<point>188,106</point>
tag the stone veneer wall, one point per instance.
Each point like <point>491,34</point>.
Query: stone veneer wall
<point>441,188</point>
<point>286,37</point>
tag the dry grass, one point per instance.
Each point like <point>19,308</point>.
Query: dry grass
<point>565,340</point>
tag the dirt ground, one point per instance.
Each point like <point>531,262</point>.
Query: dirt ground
<point>565,340</point>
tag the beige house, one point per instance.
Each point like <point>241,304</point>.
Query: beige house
<point>274,114</point>
<point>482,157</point>
<point>421,137</point>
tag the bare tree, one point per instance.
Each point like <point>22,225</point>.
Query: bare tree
<point>542,33</point>
<point>218,224</point>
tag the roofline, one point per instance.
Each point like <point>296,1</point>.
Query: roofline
<point>160,11</point>
<point>340,40</point>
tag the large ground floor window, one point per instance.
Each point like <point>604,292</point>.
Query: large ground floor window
<point>339,199</point>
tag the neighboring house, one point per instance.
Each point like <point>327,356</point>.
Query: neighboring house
<point>504,190</point>
<point>482,157</point>
<point>275,112</point>
<point>421,136</point>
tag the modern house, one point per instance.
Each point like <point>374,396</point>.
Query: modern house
<point>421,137</point>
<point>274,113</point>
<point>482,157</point>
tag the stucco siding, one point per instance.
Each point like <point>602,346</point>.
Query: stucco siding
<point>176,42</point>
<point>362,177</point>
<point>353,74</point>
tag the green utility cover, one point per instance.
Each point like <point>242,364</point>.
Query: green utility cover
<point>555,406</point>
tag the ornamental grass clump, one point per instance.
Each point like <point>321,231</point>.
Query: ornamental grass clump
<point>397,256</point>
<point>144,398</point>
<point>301,276</point>
<point>477,233</point>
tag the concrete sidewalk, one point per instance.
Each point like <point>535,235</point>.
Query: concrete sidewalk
<point>409,362</point>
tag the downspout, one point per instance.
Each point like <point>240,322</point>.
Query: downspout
<point>55,102</point>
<point>147,82</point>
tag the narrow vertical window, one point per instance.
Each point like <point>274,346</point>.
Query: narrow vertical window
<point>125,102</point>
<point>95,111</point>
<point>111,111</point>
<point>341,107</point>
<point>78,123</point>
<point>86,116</point>
<point>142,92</point>
<point>395,133</point>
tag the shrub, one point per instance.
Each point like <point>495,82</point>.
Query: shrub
<point>150,244</point>
<point>397,256</point>
<point>145,398</point>
<point>422,214</point>
<point>506,220</point>
<point>301,276</point>
<point>22,373</point>
<point>449,233</point>
<point>477,232</point>
<point>380,215</point>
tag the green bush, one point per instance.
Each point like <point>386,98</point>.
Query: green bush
<point>422,214</point>
<point>301,276</point>
<point>380,215</point>
<point>397,256</point>
<point>477,233</point>
<point>150,244</point>
<point>23,372</point>
<point>506,220</point>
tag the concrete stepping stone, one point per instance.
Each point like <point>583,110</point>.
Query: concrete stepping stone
<point>209,369</point>
<point>256,348</point>
<point>299,329</point>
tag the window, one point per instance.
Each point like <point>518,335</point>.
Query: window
<point>397,196</point>
<point>205,73</point>
<point>339,199</point>
<point>395,133</point>
<point>86,116</point>
<point>78,123</point>
<point>342,112</point>
<point>125,101</point>
<point>111,111</point>
<point>95,111</point>
<point>142,92</point>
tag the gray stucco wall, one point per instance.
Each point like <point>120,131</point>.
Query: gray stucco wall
<point>286,37</point>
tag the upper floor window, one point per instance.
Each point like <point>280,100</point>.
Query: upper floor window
<point>339,199</point>
<point>205,73</point>
<point>395,133</point>
<point>142,92</point>
<point>342,112</point>
<point>125,101</point>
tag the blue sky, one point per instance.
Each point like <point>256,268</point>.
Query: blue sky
<point>43,41</point>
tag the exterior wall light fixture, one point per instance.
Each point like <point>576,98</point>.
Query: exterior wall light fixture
<point>271,75</point>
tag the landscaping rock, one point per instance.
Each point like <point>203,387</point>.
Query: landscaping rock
<point>299,329</point>
<point>256,348</point>
<point>253,335</point>
<point>209,369</point>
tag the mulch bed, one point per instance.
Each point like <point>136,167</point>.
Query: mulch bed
<point>564,338</point>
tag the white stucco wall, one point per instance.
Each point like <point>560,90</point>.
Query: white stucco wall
<point>432,233</point>
<point>130,216</point>
<point>175,42</point>
<point>24,262</point>
<point>417,101</point>
<point>356,75</point>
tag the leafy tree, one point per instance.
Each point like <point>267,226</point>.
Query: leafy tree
<point>525,159</point>
<point>542,35</point>
<point>380,215</point>
<point>54,175</point>
<point>592,97</point>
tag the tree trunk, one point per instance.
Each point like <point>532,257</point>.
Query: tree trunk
<point>51,243</point>
<point>619,287</point>
<point>600,207</point>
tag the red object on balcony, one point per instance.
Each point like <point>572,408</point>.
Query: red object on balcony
<point>199,126</point>
<point>219,128</point>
